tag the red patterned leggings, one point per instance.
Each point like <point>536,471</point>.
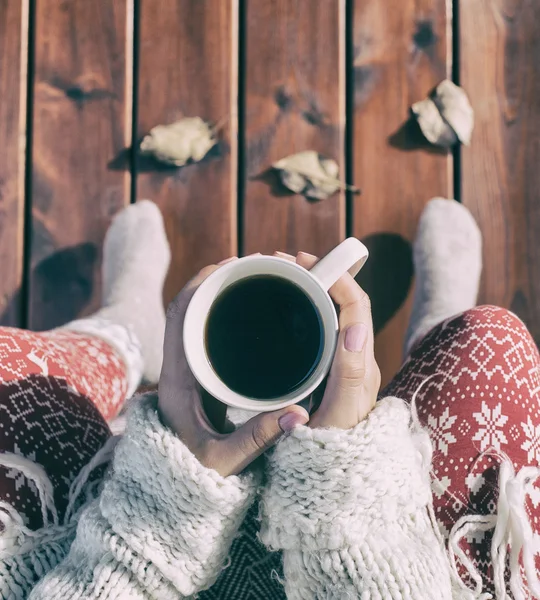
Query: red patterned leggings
<point>58,389</point>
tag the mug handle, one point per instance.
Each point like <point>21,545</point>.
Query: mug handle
<point>350,255</point>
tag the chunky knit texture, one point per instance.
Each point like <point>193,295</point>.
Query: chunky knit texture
<point>162,527</point>
<point>20,570</point>
<point>350,511</point>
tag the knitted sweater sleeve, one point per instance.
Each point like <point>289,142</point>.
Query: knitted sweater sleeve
<point>162,526</point>
<point>349,510</point>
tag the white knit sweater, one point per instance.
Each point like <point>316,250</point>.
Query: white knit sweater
<point>349,510</point>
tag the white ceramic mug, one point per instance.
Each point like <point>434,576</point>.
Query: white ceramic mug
<point>350,256</point>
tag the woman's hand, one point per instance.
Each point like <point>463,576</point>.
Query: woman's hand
<point>181,407</point>
<point>354,380</point>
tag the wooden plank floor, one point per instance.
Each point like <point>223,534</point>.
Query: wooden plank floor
<point>275,74</point>
<point>500,170</point>
<point>81,121</point>
<point>197,76</point>
<point>13,90</point>
<point>294,101</point>
<point>399,56</point>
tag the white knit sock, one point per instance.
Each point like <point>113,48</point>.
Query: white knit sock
<point>448,264</point>
<point>136,257</point>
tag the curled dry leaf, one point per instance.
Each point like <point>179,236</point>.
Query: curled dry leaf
<point>189,139</point>
<point>310,174</point>
<point>446,116</point>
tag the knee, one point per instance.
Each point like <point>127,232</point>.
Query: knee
<point>489,315</point>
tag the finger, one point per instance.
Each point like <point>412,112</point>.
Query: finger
<point>227,260</point>
<point>261,432</point>
<point>306,260</point>
<point>284,255</point>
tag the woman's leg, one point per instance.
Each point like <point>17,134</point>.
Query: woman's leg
<point>482,392</point>
<point>58,389</point>
<point>476,377</point>
<point>447,263</point>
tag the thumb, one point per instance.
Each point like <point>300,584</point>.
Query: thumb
<point>258,434</point>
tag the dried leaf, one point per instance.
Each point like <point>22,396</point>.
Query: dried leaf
<point>189,139</point>
<point>310,174</point>
<point>454,106</point>
<point>435,129</point>
<point>446,116</point>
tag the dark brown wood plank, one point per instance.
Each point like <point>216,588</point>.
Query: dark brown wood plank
<point>295,101</point>
<point>500,69</point>
<point>188,67</point>
<point>13,65</point>
<point>401,51</point>
<point>82,122</point>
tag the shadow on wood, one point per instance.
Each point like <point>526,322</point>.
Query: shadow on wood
<point>62,286</point>
<point>11,315</point>
<point>148,164</point>
<point>271,178</point>
<point>387,275</point>
<point>410,137</point>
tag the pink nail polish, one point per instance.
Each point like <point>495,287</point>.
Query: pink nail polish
<point>291,420</point>
<point>355,337</point>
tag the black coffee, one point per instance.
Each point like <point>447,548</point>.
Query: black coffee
<point>264,336</point>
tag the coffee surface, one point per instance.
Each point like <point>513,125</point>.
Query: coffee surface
<point>264,337</point>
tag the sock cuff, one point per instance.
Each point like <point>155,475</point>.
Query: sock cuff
<point>123,340</point>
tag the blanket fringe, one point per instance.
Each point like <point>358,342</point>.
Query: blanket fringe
<point>513,535</point>
<point>15,536</point>
<point>511,525</point>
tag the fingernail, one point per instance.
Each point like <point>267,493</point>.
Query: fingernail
<point>291,420</point>
<point>306,255</point>
<point>227,260</point>
<point>284,255</point>
<point>355,337</point>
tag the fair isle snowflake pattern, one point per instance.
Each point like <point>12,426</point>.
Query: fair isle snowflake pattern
<point>475,536</point>
<point>441,435</point>
<point>532,444</point>
<point>490,432</point>
<point>18,476</point>
<point>534,495</point>
<point>475,482</point>
<point>53,388</point>
<point>440,486</point>
<point>491,383</point>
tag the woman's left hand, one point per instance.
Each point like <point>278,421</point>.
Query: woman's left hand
<point>354,379</point>
<point>181,406</point>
